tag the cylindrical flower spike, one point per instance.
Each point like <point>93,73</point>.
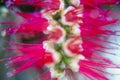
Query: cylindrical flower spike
<point>73,30</point>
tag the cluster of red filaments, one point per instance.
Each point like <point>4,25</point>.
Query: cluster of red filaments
<point>70,28</point>
<point>64,41</point>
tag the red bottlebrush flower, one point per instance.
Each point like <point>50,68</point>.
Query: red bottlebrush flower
<point>31,23</point>
<point>100,16</point>
<point>94,69</point>
<point>73,46</point>
<point>30,55</point>
<point>46,4</point>
<point>74,43</point>
<point>96,3</point>
<point>51,4</point>
<point>73,18</point>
